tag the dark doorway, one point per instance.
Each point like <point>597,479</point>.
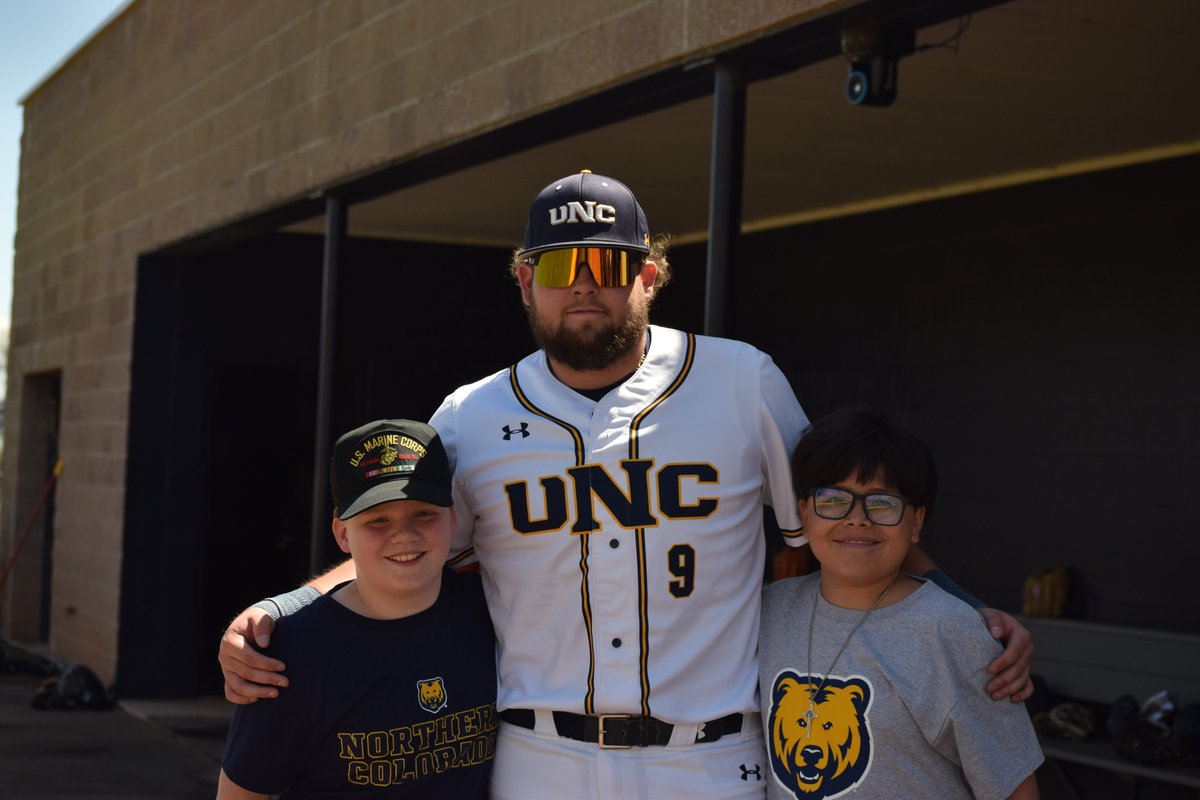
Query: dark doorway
<point>220,446</point>
<point>29,565</point>
<point>219,483</point>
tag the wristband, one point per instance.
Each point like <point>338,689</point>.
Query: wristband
<point>950,587</point>
<point>281,605</point>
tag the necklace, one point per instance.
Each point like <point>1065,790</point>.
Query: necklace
<point>811,714</point>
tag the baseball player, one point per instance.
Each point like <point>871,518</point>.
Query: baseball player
<point>611,487</point>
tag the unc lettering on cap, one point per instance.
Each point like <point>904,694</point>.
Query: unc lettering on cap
<point>587,211</point>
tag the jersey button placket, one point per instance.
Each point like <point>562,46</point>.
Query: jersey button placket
<point>612,578</point>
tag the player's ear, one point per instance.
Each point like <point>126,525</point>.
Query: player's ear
<point>648,273</point>
<point>341,534</point>
<point>525,279</point>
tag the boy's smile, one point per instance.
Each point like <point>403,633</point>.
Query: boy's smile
<point>858,556</point>
<point>855,541</point>
<point>399,550</point>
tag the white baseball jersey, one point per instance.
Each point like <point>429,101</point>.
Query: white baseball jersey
<point>621,541</point>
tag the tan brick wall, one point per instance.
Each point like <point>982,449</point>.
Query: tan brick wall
<point>185,114</point>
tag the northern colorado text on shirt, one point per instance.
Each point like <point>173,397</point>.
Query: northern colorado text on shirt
<point>410,752</point>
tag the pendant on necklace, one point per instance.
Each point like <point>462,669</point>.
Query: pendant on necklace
<point>809,715</point>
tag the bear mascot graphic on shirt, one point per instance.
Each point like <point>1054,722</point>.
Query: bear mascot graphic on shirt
<point>822,750</point>
<point>431,694</point>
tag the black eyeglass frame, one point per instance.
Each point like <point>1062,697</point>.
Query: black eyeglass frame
<point>855,497</point>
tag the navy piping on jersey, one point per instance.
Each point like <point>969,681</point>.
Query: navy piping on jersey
<point>640,533</point>
<point>458,559</point>
<point>585,598</point>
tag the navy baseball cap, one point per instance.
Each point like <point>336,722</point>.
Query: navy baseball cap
<point>385,460</point>
<point>586,210</point>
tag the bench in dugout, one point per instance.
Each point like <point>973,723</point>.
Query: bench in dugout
<point>1097,664</point>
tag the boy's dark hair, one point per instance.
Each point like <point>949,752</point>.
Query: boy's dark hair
<point>862,441</point>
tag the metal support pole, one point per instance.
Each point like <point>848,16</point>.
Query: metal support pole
<point>335,234</point>
<point>724,195</point>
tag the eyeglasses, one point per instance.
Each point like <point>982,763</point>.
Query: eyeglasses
<point>882,509</point>
<point>610,267</point>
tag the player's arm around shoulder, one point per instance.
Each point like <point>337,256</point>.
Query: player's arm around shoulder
<point>963,632</point>
<point>250,674</point>
<point>956,638</point>
<point>1009,669</point>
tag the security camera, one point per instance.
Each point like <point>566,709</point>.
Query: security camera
<point>872,81</point>
<point>874,54</point>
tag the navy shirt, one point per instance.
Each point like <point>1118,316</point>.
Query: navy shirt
<point>395,708</point>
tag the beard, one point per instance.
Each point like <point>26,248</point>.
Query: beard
<point>593,348</point>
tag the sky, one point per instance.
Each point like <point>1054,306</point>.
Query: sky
<point>35,36</point>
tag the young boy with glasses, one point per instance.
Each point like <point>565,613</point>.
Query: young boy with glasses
<point>871,678</point>
<point>393,674</point>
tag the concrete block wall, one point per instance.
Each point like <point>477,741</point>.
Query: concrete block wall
<point>181,116</point>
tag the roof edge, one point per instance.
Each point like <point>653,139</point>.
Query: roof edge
<point>76,50</point>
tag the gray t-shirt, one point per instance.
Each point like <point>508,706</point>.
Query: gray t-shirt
<point>903,713</point>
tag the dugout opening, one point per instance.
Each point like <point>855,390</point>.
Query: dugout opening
<point>220,473</point>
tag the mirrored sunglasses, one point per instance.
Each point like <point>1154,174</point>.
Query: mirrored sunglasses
<point>882,509</point>
<point>610,266</point>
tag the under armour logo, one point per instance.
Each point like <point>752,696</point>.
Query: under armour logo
<point>523,430</point>
<point>746,773</point>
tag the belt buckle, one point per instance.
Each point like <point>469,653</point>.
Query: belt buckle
<point>600,738</point>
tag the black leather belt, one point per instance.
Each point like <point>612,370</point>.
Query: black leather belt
<point>621,731</point>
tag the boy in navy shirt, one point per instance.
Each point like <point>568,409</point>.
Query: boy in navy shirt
<point>392,675</point>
